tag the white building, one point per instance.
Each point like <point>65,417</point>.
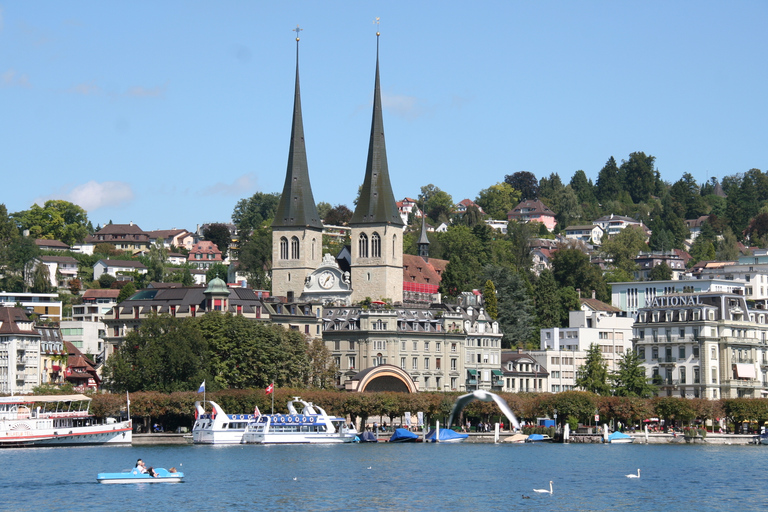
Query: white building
<point>563,350</point>
<point>118,268</point>
<point>613,224</point>
<point>589,233</point>
<point>46,305</point>
<point>19,352</point>
<point>705,345</point>
<point>633,295</point>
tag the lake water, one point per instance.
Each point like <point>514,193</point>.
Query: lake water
<point>462,477</point>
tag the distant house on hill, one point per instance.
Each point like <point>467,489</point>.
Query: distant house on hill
<point>204,255</point>
<point>613,224</point>
<point>125,237</point>
<point>533,211</point>
<point>51,245</point>
<point>118,268</point>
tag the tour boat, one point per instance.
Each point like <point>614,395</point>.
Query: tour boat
<point>310,426</point>
<point>134,476</point>
<point>56,420</point>
<point>217,427</point>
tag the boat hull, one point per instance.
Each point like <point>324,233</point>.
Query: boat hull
<point>119,433</point>
<point>298,439</point>
<point>134,477</point>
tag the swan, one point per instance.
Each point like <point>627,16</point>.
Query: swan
<point>635,476</point>
<point>544,491</point>
<point>294,479</point>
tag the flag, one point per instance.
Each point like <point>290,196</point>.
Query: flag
<point>127,399</point>
<point>256,412</point>
<point>201,389</point>
<point>270,388</point>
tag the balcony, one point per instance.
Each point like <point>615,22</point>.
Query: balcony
<point>742,359</point>
<point>667,360</point>
<point>667,383</point>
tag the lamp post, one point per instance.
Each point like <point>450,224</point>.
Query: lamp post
<point>556,425</point>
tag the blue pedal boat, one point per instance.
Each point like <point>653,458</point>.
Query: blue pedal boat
<point>135,477</point>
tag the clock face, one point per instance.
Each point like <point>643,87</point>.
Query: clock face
<point>326,280</point>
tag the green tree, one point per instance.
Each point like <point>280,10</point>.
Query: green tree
<point>525,182</point>
<point>158,256</point>
<point>217,270</point>
<point>569,301</point>
<point>182,275</point>
<point>255,212</point>
<point>516,309</point>
<point>126,292</point>
<point>106,280</point>
<point>571,267</point>
<point>21,253</point>
<point>55,220</point>
<point>497,200</point>
<point>630,380</point>
<point>41,279</point>
<point>661,272</point>
<point>727,248</point>
<point>593,374</point>
<point>639,176</point>
<point>490,299</point>
<point>436,204</point>
<point>583,187</point>
<point>339,215</point>
<point>256,258</point>
<point>219,234</point>
<point>608,181</point>
<point>323,208</point>
<point>624,247</point>
<point>547,300</point>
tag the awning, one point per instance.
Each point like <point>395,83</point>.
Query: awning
<point>496,372</point>
<point>472,372</point>
<point>745,371</point>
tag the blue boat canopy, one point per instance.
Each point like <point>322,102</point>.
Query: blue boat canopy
<point>446,434</point>
<point>401,435</point>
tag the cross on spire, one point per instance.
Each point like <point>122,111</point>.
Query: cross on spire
<point>376,22</point>
<point>297,30</point>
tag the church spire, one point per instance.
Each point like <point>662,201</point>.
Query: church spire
<point>297,204</point>
<point>423,242</point>
<point>377,202</point>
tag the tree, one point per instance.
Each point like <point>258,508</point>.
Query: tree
<point>55,220</point>
<point>323,208</point>
<point>593,374</point>
<point>624,247</point>
<point>436,204</point>
<point>126,292</point>
<point>547,300</point>
<point>217,270</point>
<point>608,181</point>
<point>490,300</point>
<point>520,235</point>
<point>727,248</point>
<point>569,301</point>
<point>639,176</point>
<point>254,212</point>
<point>498,200</point>
<point>256,258</point>
<point>75,285</point>
<point>661,272</point>
<point>630,380</point>
<point>339,215</point>
<point>525,182</point>
<point>41,279</point>
<point>106,280</point>
<point>182,275</point>
<point>21,253</point>
<point>218,234</point>
<point>516,310</point>
<point>583,187</point>
<point>571,267</point>
<point>158,256</point>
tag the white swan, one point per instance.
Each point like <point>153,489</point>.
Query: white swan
<point>544,491</point>
<point>635,476</point>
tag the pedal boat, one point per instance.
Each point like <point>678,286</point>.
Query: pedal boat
<point>135,477</point>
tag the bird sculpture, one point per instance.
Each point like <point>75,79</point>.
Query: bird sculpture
<point>485,396</point>
<point>544,491</point>
<point>635,476</point>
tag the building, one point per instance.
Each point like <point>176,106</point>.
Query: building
<point>85,330</point>
<point>646,261</point>
<point>80,371</point>
<point>61,269</point>
<point>170,237</point>
<point>522,373</point>
<point>51,245</point>
<point>533,211</point>
<point>125,237</point>
<point>53,354</point>
<point>204,254</point>
<point>121,270</point>
<point>406,207</point>
<point>588,233</point>
<point>463,205</point>
<point>633,295</point>
<point>564,350</point>
<point>19,352</point>
<point>704,345</point>
<point>613,224</point>
<point>46,306</point>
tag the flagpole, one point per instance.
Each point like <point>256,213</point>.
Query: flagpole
<point>273,397</point>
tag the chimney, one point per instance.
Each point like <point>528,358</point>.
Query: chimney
<point>519,350</point>
<point>593,294</point>
<point>130,223</point>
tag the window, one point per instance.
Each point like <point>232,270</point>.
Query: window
<point>603,335</point>
<point>641,353</point>
<point>415,363</point>
<point>714,354</point>
<point>402,363</point>
<point>415,345</point>
<point>294,248</point>
<point>402,346</point>
<point>681,353</point>
<point>362,245</point>
<point>696,377</point>
<point>437,346</point>
<point>375,245</point>
<point>695,351</point>
<point>682,375</point>
<point>437,363</point>
<point>351,361</point>
<point>655,353</point>
<point>453,364</point>
<point>714,375</point>
<point>426,363</point>
<point>426,346</point>
<point>283,248</point>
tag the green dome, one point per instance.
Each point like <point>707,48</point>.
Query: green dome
<point>217,286</point>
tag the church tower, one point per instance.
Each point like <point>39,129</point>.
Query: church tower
<point>297,233</point>
<point>377,228</point>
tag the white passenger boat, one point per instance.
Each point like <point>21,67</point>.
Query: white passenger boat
<point>217,427</point>
<point>310,426</point>
<point>56,420</point>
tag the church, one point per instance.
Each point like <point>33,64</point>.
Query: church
<point>383,324</point>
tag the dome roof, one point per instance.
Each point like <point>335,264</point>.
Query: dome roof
<point>217,286</point>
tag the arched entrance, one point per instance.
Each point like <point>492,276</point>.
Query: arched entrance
<point>385,377</point>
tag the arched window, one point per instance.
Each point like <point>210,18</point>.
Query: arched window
<point>362,245</point>
<point>375,245</point>
<point>294,248</point>
<point>283,248</point>
<point>394,243</point>
<point>313,249</point>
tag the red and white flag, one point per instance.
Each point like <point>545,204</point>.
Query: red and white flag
<point>256,412</point>
<point>270,388</point>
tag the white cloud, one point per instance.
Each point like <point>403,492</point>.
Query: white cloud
<point>143,92</point>
<point>86,89</point>
<point>93,195</point>
<point>407,107</point>
<point>11,79</point>
<point>242,184</point>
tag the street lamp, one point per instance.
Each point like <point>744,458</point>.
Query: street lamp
<point>556,425</point>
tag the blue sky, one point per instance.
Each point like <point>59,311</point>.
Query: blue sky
<point>168,113</point>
